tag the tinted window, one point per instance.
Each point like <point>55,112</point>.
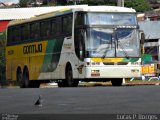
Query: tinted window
<point>25,32</point>
<point>45,28</point>
<point>56,26</point>
<point>34,30</point>
<point>67,24</point>
<point>17,34</point>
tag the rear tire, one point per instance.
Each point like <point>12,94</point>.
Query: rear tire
<point>23,79</point>
<point>28,83</point>
<point>117,82</point>
<point>20,78</point>
<point>34,84</point>
<point>26,78</point>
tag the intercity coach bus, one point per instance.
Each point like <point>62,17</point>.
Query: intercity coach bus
<point>87,43</point>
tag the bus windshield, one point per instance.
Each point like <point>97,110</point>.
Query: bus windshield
<point>120,42</point>
<point>110,19</point>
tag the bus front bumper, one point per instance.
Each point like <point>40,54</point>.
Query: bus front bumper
<point>113,72</point>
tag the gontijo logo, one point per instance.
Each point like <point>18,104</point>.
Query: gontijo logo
<point>28,49</point>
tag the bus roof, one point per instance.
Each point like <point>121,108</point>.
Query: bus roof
<point>105,9</point>
<point>68,9</point>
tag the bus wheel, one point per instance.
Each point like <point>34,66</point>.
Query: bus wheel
<point>26,78</point>
<point>117,82</point>
<point>69,77</point>
<point>34,84</point>
<point>62,83</point>
<point>20,78</point>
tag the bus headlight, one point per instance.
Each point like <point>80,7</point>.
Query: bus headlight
<point>92,63</point>
<point>95,72</point>
<point>135,70</point>
<point>135,63</point>
<point>95,63</point>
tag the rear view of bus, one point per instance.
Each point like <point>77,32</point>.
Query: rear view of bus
<point>108,43</point>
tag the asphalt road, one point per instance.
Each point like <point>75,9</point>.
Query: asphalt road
<point>131,99</point>
<point>82,100</point>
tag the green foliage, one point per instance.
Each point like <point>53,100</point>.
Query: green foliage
<point>23,3</point>
<point>61,2</point>
<point>2,56</point>
<point>139,5</point>
<point>99,2</point>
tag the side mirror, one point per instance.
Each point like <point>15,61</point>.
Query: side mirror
<point>142,38</point>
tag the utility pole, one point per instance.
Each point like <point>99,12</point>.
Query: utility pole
<point>120,3</point>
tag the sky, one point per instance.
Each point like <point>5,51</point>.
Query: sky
<point>15,1</point>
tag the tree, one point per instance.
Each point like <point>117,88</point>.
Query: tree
<point>61,2</point>
<point>99,2</point>
<point>153,1</point>
<point>23,3</point>
<point>138,5</point>
<point>51,2</point>
<point>2,57</point>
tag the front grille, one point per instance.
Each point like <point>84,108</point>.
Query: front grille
<point>108,63</point>
<point>115,63</point>
<point>122,63</point>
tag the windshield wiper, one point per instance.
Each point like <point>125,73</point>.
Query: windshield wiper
<point>106,49</point>
<point>116,43</point>
<point>104,54</point>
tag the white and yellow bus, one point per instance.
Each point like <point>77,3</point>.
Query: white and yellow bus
<point>88,43</point>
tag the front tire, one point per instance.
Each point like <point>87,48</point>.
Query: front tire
<point>117,82</point>
<point>34,84</point>
<point>69,77</point>
<point>62,83</point>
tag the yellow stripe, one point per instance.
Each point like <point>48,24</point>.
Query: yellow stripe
<point>65,9</point>
<point>107,59</point>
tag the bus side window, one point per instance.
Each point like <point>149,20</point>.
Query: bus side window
<point>13,39</point>
<point>18,34</point>
<point>56,26</point>
<point>69,27</point>
<point>25,32</point>
<point>53,28</point>
<point>22,33</point>
<point>31,31</point>
<point>34,30</point>
<point>9,36</point>
<point>48,28</point>
<point>45,29</point>
<point>42,28</point>
<point>67,24</point>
